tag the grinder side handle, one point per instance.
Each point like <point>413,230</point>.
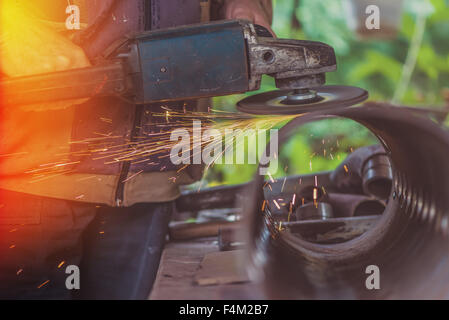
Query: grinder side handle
<point>103,80</point>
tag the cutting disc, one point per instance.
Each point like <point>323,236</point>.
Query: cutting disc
<point>302,101</point>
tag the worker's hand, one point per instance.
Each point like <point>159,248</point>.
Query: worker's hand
<point>28,47</point>
<point>249,10</point>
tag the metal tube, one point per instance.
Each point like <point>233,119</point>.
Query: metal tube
<point>409,243</point>
<point>353,205</point>
<point>377,176</point>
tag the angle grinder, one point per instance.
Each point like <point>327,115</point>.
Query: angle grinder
<point>197,61</point>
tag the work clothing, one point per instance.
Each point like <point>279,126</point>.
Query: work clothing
<point>51,224</point>
<point>116,250</point>
<point>32,139</point>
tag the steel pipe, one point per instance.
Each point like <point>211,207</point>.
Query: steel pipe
<point>409,243</point>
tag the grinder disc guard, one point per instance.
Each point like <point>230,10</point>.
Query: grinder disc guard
<point>297,102</point>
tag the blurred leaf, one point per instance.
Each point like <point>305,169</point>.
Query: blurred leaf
<point>419,7</point>
<point>325,21</point>
<point>408,25</point>
<point>441,12</point>
<point>376,63</point>
<point>430,63</point>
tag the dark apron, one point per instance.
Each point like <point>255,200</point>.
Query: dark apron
<point>120,17</point>
<point>109,20</point>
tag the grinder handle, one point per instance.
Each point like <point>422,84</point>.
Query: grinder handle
<point>104,80</point>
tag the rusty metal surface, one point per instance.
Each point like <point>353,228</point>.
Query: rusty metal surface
<point>223,267</point>
<point>229,238</point>
<point>284,59</point>
<point>351,205</point>
<point>371,172</point>
<point>332,230</point>
<point>314,211</point>
<point>179,265</point>
<point>190,230</point>
<point>229,196</point>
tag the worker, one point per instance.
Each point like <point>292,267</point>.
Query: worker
<point>87,231</point>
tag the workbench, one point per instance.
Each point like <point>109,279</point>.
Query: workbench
<point>180,264</point>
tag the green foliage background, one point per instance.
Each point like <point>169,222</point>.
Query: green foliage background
<point>375,65</point>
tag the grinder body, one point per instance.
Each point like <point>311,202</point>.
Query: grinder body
<point>190,62</point>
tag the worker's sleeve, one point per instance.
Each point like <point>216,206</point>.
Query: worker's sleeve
<point>217,5</point>
<point>267,6</point>
<point>11,13</point>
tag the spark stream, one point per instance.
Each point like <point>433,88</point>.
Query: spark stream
<point>216,145</point>
<point>154,143</point>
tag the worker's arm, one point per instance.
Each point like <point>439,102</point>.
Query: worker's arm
<point>256,11</point>
<point>28,47</point>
